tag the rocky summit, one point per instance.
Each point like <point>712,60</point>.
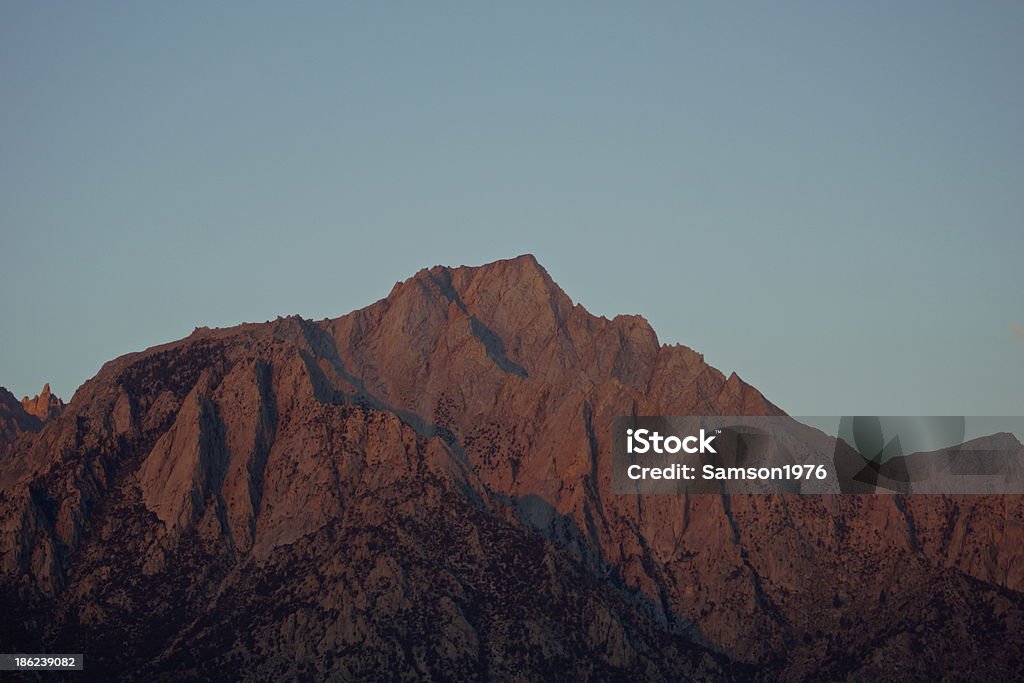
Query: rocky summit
<point>421,489</point>
<point>44,406</point>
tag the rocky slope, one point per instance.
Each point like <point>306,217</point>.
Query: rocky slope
<point>421,488</point>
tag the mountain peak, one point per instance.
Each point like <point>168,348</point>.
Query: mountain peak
<point>523,273</point>
<point>43,406</point>
<point>503,298</point>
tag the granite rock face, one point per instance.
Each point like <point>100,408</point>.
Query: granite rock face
<point>422,488</point>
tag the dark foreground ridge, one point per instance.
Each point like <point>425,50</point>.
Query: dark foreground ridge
<point>422,489</point>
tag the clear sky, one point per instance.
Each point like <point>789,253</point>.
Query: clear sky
<point>826,197</point>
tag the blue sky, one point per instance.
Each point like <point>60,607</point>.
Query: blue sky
<point>825,197</point>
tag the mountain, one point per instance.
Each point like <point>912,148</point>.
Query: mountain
<point>422,489</point>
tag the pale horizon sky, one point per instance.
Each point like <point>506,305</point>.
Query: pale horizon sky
<point>823,197</point>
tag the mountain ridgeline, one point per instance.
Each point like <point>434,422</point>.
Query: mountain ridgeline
<point>422,489</point>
